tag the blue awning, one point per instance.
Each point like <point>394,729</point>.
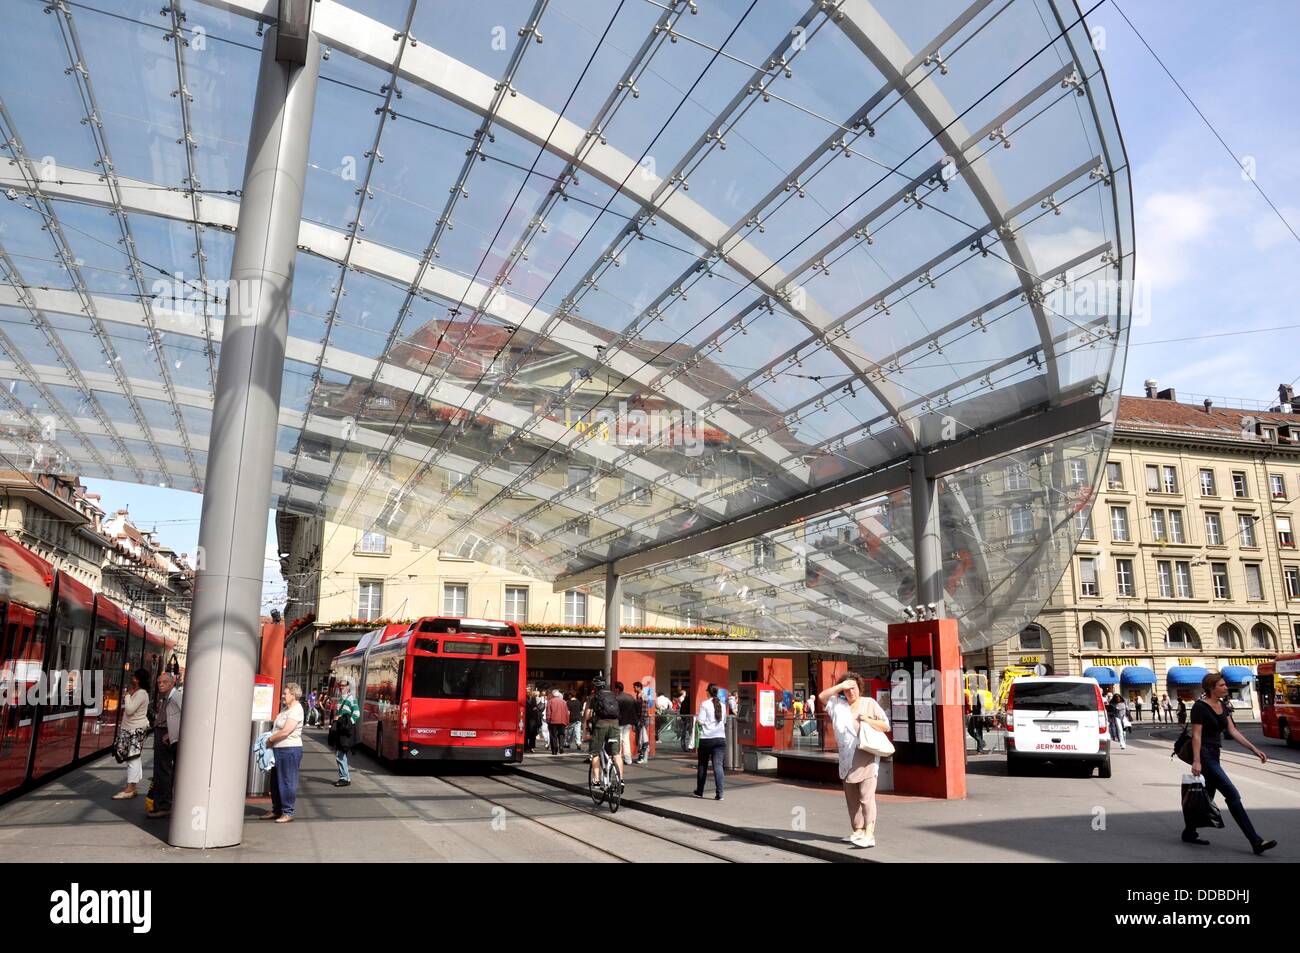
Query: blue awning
<point>1237,674</point>
<point>1137,675</point>
<point>1185,675</point>
<point>1103,675</point>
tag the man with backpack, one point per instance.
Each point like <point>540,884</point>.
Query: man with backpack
<point>601,718</point>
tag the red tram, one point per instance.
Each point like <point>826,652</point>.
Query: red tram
<point>65,655</point>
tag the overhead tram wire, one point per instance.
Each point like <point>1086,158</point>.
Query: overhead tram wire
<point>502,90</point>
<point>844,208</point>
<point>1208,125</point>
<point>613,101</point>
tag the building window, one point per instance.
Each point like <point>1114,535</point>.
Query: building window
<point>1213,529</point>
<point>1219,572</point>
<point>1284,535</point>
<point>1078,472</point>
<point>1295,633</point>
<point>1022,521</point>
<point>1207,483</point>
<point>1124,584</point>
<point>634,613</point>
<point>1083,525</point>
<point>1183,574</point>
<point>580,477</point>
<point>455,599</point>
<point>1239,484</point>
<point>1088,577</point>
<point>1092,636</point>
<point>1227,636</point>
<point>1119,524</point>
<point>1169,479</point>
<point>1246,529</point>
<point>370,600</point>
<point>1031,638</point>
<point>1176,533</point>
<point>1130,636</point>
<point>1181,636</point>
<point>1165,573</point>
<point>575,608</point>
<point>1114,477</point>
<point>1158,525</point>
<point>1254,582</point>
<point>1292,576</point>
<point>516,604</point>
<point>1277,486</point>
<point>1261,637</point>
<point>1017,477</point>
<point>374,543</point>
<point>637,490</point>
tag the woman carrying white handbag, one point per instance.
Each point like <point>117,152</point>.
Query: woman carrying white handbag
<point>859,724</point>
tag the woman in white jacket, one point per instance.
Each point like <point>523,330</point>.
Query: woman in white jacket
<point>712,719</point>
<point>131,732</point>
<point>848,706</point>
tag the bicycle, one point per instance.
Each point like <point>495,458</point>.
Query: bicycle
<point>609,787</point>
<point>685,731</point>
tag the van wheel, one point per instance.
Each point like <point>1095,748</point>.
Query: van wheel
<point>1014,766</point>
<point>1103,768</point>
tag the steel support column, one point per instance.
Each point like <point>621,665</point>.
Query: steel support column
<point>613,617</point>
<point>928,553</point>
<point>225,622</point>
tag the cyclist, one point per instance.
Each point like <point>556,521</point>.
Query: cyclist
<point>601,719</point>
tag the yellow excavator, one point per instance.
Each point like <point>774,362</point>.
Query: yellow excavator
<point>1009,675</point>
<point>977,683</point>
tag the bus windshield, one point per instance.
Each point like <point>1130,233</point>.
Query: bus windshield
<point>462,678</point>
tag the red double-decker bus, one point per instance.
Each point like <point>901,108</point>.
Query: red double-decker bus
<point>1278,684</point>
<point>440,689</point>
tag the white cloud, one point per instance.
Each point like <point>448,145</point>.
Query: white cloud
<point>1170,226</point>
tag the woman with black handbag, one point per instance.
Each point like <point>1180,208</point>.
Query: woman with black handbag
<point>129,744</point>
<point>848,708</point>
<point>1212,719</point>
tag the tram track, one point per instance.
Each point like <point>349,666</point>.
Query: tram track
<point>578,809</point>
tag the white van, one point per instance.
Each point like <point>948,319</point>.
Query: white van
<point>1057,718</point>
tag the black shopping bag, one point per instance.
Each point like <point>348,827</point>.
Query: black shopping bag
<point>1198,809</point>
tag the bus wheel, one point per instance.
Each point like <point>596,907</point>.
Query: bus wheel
<point>1285,730</point>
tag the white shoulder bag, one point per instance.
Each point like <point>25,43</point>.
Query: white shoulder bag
<point>874,741</point>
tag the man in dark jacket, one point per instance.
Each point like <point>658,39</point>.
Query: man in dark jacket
<point>573,737</point>
<point>629,715</point>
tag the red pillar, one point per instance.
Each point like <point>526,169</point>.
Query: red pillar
<point>936,639</point>
<point>777,672</point>
<point>631,667</point>
<point>828,673</point>
<point>272,660</point>
<point>706,669</point>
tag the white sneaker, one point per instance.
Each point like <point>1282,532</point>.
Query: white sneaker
<point>868,840</point>
<point>860,839</point>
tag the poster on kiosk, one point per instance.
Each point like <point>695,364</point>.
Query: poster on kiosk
<point>756,714</point>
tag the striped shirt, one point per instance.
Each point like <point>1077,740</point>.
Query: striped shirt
<point>348,708</point>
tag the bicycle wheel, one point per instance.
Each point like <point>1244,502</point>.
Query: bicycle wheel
<point>615,787</point>
<point>595,789</point>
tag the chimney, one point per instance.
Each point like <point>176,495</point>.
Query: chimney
<point>1209,404</point>
<point>1150,386</point>
<point>1285,394</point>
<point>1167,394</point>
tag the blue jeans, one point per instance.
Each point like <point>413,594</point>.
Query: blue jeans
<point>284,780</point>
<point>711,750</point>
<point>1216,779</point>
<point>341,758</point>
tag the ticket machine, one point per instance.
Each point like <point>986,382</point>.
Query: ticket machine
<point>756,714</point>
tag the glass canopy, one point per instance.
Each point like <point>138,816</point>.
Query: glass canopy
<point>583,278</point>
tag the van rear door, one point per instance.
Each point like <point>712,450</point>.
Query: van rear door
<point>1056,717</point>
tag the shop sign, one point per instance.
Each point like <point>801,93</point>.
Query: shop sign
<point>1186,661</point>
<point>1030,659</point>
<point>1116,661</point>
<point>1250,660</point>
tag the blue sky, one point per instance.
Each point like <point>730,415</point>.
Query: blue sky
<point>1216,257</point>
<point>1216,260</point>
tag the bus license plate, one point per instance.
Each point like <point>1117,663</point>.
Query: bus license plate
<point>464,734</point>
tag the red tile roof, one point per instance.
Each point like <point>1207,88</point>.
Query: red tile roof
<point>1148,414</point>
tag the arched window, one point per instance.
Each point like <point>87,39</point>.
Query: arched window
<point>1031,637</point>
<point>1094,636</point>
<point>1228,636</point>
<point>1182,636</point>
<point>1261,637</point>
<point>1130,636</point>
